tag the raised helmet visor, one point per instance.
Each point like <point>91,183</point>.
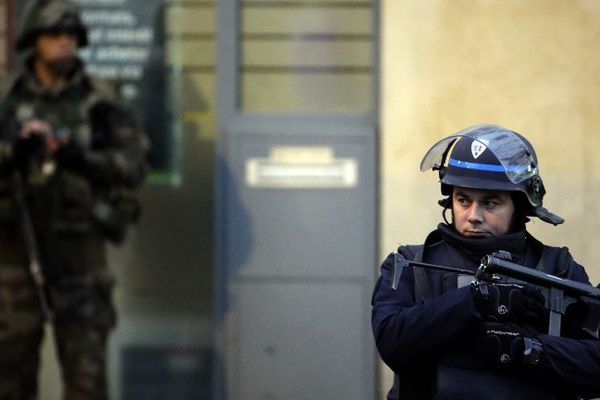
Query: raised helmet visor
<point>517,162</point>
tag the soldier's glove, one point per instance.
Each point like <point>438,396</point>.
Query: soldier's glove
<point>507,345</point>
<point>72,156</point>
<point>27,150</point>
<point>510,302</point>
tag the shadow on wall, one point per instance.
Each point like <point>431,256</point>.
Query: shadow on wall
<point>234,217</point>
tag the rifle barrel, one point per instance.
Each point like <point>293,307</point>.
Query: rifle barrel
<point>441,267</point>
<point>491,264</point>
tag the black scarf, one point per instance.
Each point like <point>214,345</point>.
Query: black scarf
<point>475,248</point>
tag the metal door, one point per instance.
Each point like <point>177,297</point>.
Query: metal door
<point>296,200</point>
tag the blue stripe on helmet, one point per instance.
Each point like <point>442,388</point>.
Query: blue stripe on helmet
<point>483,167</point>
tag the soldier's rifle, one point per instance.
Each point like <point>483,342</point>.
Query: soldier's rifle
<point>558,293</point>
<point>34,266</point>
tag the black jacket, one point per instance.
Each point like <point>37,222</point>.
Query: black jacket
<point>429,344</point>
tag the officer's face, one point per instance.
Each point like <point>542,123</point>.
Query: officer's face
<point>482,213</point>
<point>55,46</point>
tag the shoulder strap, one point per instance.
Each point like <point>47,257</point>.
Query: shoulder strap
<point>555,260</point>
<point>412,252</point>
<point>423,292</point>
<point>564,260</point>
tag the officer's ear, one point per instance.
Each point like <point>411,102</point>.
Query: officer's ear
<point>446,203</point>
<point>522,209</point>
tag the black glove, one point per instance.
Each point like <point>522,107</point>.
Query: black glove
<point>507,345</point>
<point>72,156</point>
<point>27,150</point>
<point>510,302</point>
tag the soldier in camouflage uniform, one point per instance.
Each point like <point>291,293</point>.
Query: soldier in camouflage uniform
<point>70,156</point>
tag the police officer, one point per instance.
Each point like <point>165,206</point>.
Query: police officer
<point>446,336</point>
<point>70,156</point>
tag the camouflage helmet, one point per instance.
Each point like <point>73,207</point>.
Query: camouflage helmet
<point>42,16</point>
<point>490,157</point>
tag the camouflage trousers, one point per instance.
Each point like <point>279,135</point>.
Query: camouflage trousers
<point>82,316</point>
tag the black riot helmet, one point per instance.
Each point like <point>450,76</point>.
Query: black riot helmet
<point>490,157</point>
<point>42,16</point>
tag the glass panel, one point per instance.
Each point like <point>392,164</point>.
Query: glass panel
<point>306,56</point>
<point>296,91</point>
<point>305,18</point>
<point>127,44</point>
<point>195,18</point>
<point>185,52</point>
<point>164,342</point>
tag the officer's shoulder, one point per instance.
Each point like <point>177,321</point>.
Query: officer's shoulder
<point>410,250</point>
<point>556,252</point>
<point>558,260</point>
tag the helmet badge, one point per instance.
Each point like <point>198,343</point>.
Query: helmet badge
<point>478,147</point>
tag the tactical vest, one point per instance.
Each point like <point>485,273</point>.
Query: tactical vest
<point>71,203</point>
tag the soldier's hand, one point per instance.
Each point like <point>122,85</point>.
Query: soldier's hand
<point>509,302</point>
<point>37,128</point>
<point>26,148</point>
<point>507,345</point>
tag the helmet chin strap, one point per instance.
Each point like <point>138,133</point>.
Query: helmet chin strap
<point>445,218</point>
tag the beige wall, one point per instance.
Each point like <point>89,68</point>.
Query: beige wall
<point>528,65</point>
<point>532,66</point>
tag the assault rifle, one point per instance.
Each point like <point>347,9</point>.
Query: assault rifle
<point>31,246</point>
<point>558,293</point>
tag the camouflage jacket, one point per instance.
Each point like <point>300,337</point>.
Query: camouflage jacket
<point>90,185</point>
